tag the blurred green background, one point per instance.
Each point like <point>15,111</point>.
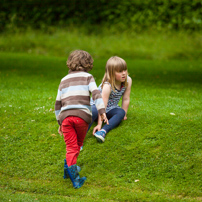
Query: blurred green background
<point>146,29</point>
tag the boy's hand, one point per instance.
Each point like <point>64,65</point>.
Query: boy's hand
<point>60,130</point>
<point>104,118</point>
<point>125,117</point>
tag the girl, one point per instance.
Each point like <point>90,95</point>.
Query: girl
<point>115,84</point>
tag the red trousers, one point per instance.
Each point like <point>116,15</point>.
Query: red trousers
<point>74,130</point>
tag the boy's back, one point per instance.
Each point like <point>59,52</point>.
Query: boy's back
<point>74,96</point>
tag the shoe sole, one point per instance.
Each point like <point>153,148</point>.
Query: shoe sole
<point>99,138</point>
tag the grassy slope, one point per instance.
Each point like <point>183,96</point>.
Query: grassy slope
<point>161,150</point>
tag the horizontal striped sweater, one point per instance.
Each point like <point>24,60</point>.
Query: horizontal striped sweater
<point>73,97</point>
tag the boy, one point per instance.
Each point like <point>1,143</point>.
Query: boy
<point>73,110</point>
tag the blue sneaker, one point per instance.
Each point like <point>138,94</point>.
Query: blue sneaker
<point>81,148</point>
<point>100,136</point>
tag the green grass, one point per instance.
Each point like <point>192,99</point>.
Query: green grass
<point>102,43</point>
<point>153,156</point>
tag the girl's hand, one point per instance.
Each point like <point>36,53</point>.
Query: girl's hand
<point>125,117</point>
<point>104,118</point>
<point>60,130</point>
<point>97,128</point>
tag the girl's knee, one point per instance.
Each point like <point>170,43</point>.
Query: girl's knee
<point>122,113</point>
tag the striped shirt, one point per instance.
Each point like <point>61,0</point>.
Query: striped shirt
<point>73,97</point>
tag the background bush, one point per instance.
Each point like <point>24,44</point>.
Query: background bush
<point>135,15</point>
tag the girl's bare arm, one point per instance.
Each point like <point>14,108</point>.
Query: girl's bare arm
<point>126,97</point>
<point>105,96</point>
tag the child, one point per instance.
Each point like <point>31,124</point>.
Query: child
<point>115,84</point>
<point>73,110</point>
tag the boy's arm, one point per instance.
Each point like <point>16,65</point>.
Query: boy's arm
<point>60,130</point>
<point>58,105</point>
<point>126,97</point>
<point>96,96</point>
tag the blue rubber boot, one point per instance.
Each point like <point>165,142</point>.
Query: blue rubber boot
<point>66,175</point>
<point>74,176</point>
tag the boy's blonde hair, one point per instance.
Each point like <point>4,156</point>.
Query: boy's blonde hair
<point>114,64</point>
<point>80,60</point>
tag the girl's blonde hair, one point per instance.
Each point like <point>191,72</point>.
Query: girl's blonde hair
<point>114,64</point>
<point>80,60</point>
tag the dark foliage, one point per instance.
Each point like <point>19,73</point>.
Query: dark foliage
<point>129,14</point>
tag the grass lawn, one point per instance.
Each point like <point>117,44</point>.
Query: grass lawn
<point>155,155</point>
